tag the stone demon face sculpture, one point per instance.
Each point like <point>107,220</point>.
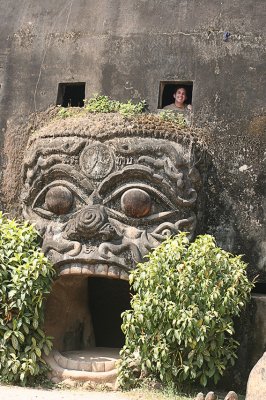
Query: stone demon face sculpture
<point>103,192</point>
<point>103,196</point>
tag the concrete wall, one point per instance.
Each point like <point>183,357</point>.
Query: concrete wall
<point>124,49</point>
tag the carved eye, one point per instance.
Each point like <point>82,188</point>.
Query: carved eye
<point>59,200</point>
<point>136,203</point>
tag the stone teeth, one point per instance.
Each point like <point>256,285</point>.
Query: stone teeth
<point>57,357</point>
<point>114,272</point>
<point>109,365</point>
<point>65,270</point>
<point>62,361</point>
<point>88,269</point>
<point>85,366</point>
<point>124,275</point>
<point>94,269</point>
<point>101,269</point>
<point>73,364</point>
<point>75,269</point>
<point>98,367</point>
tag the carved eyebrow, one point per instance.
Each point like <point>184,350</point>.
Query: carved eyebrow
<point>60,172</point>
<point>137,172</point>
<point>69,171</point>
<point>43,156</point>
<point>134,172</point>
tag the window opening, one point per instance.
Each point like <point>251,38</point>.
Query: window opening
<point>71,94</point>
<point>168,88</point>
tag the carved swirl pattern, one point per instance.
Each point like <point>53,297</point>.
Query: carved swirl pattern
<point>87,223</point>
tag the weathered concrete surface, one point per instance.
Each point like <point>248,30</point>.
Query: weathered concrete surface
<point>256,387</point>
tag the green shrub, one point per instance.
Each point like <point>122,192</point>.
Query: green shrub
<point>103,104</point>
<point>129,108</point>
<point>181,324</point>
<point>25,278</point>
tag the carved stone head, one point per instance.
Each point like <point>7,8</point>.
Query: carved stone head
<point>103,195</point>
<point>103,191</point>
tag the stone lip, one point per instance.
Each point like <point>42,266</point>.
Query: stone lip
<point>99,359</point>
<point>97,365</point>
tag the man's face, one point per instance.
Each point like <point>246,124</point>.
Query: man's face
<point>180,95</point>
<point>103,205</point>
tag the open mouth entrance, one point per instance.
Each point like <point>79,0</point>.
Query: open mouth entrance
<point>83,314</point>
<point>108,298</point>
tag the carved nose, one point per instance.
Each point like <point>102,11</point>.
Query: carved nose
<point>87,223</point>
<point>90,220</point>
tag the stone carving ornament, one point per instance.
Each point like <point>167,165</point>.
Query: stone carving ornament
<point>103,192</point>
<point>101,200</point>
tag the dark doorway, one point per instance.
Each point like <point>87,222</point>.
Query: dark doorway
<point>108,298</point>
<point>168,88</point>
<point>71,94</point>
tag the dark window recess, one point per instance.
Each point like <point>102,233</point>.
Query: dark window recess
<point>260,288</point>
<point>168,88</point>
<point>71,94</point>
